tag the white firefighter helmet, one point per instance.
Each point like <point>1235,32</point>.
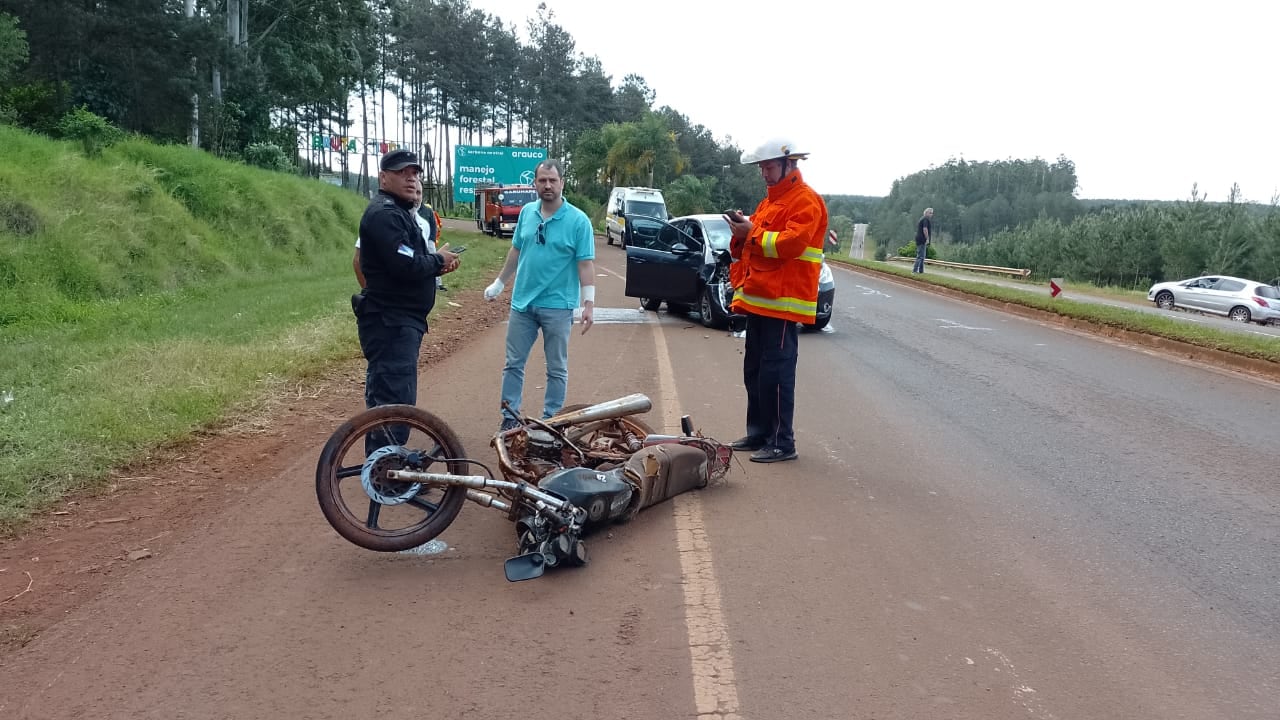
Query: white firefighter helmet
<point>773,149</point>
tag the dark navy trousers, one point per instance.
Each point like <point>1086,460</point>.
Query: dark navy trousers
<point>392,374</point>
<point>769,374</point>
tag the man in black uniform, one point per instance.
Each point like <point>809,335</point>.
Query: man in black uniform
<point>400,276</point>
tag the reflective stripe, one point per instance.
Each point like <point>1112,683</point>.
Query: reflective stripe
<point>813,255</point>
<point>804,308</point>
<point>769,243</point>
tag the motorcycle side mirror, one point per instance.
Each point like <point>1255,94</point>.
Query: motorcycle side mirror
<point>525,567</point>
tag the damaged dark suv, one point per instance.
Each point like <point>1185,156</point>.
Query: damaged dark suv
<point>684,262</point>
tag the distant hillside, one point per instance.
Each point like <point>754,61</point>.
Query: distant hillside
<point>145,218</point>
<point>858,208</point>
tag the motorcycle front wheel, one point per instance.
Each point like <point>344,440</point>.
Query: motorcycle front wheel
<point>403,515</point>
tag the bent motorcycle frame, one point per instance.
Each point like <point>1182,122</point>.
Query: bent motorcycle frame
<point>567,519</point>
<point>597,439</point>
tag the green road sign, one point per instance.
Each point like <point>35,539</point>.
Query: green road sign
<point>476,165</point>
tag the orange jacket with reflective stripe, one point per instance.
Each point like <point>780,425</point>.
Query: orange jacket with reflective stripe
<point>776,273</point>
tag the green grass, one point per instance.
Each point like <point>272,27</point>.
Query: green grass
<point>131,319</point>
<point>1036,296</point>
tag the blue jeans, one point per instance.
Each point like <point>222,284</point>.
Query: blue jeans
<point>921,248</point>
<point>522,330</point>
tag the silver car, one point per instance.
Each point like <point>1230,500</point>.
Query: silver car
<point>1236,298</point>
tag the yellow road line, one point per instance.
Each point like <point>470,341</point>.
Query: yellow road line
<point>715,689</point>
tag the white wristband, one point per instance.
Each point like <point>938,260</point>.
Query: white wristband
<point>589,294</point>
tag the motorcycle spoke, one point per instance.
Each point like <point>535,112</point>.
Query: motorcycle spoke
<point>375,508</point>
<point>423,504</point>
<point>434,453</point>
<point>352,471</point>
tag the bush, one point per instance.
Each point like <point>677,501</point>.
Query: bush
<point>584,203</point>
<point>268,156</point>
<point>909,250</point>
<point>37,106</point>
<point>18,218</point>
<point>94,132</point>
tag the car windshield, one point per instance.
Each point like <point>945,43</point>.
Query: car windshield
<point>1267,291</point>
<point>649,209</point>
<point>517,197</point>
<point>718,233</point>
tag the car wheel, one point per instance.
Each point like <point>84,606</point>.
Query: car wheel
<point>706,309</point>
<point>608,237</point>
<point>1240,313</point>
<point>1164,300</point>
<point>650,303</point>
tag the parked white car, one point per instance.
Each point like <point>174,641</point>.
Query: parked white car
<point>1236,298</point>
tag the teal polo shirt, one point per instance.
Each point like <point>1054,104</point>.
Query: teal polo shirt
<point>547,272</point>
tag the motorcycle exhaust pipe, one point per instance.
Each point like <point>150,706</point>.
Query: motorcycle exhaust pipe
<point>630,405</point>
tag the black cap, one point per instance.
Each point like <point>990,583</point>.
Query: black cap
<point>399,160</point>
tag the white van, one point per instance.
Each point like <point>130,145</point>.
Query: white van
<point>631,201</point>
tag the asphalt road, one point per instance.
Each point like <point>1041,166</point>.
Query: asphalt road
<point>990,518</point>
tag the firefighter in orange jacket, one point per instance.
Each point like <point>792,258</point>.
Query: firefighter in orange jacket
<point>778,253</point>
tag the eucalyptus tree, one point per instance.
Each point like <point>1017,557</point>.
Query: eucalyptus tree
<point>1269,244</point>
<point>13,48</point>
<point>507,85</point>
<point>1232,242</point>
<point>634,98</point>
<point>548,67</point>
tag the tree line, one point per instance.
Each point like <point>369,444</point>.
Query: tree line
<point>241,77</point>
<point>1136,244</point>
<point>1024,213</point>
<point>257,80</point>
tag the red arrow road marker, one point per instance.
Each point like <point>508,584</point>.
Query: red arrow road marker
<point>1054,288</point>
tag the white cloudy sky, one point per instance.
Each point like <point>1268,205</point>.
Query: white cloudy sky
<point>1146,98</point>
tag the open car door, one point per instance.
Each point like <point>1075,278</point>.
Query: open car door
<point>662,261</point>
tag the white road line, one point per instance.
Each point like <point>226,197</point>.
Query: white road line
<point>953,325</point>
<point>715,689</point>
<point>608,315</point>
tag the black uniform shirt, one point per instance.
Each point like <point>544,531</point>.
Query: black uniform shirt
<point>398,270</point>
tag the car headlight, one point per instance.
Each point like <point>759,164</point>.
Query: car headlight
<point>826,276</point>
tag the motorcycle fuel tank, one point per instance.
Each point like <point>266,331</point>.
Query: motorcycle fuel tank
<point>603,495</point>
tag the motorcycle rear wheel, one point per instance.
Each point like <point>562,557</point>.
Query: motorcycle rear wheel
<point>359,518</point>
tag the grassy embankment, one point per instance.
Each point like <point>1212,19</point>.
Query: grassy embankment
<point>1036,296</point>
<point>156,291</point>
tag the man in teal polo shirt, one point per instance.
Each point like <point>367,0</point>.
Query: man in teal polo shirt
<point>551,258</point>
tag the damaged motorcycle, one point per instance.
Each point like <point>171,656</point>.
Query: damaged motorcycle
<point>561,478</point>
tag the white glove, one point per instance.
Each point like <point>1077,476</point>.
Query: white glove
<point>494,290</point>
